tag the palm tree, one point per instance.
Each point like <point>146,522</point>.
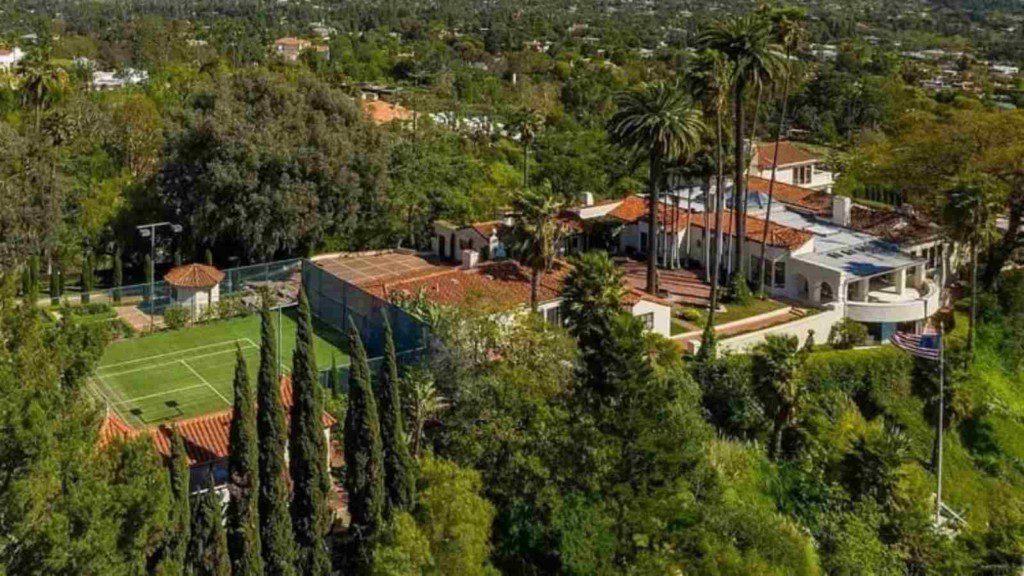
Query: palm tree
<point>973,202</point>
<point>660,121</point>
<point>537,232</point>
<point>41,83</point>
<point>790,32</point>
<point>526,123</point>
<point>746,42</point>
<point>776,362</point>
<point>714,82</point>
<point>422,403</point>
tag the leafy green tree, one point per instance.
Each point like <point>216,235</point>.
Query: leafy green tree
<point>180,522</point>
<point>746,42</point>
<point>404,549</point>
<point>591,300</point>
<point>974,202</point>
<point>455,518</point>
<point>538,234</point>
<point>207,545</point>
<point>659,122</point>
<point>243,486</point>
<point>399,470</point>
<point>307,448</point>
<point>276,539</point>
<point>88,277</point>
<point>364,456</point>
<point>42,83</point>
<point>118,275</point>
<point>776,363</point>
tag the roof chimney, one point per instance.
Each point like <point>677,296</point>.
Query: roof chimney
<point>588,198</point>
<point>841,208</point>
<point>470,258</point>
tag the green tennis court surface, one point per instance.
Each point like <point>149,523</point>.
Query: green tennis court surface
<point>178,374</point>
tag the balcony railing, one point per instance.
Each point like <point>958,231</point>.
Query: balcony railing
<point>918,305</point>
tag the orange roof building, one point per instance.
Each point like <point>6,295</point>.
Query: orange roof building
<point>194,287</point>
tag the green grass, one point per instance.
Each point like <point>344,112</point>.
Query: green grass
<point>182,373</point>
<point>756,306</point>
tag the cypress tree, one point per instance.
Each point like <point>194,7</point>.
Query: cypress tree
<point>207,545</point>
<point>26,281</point>
<point>311,483</point>
<point>181,510</point>
<point>364,455</point>
<point>400,481</point>
<point>243,467</point>
<point>334,378</point>
<point>208,257</point>
<point>118,274</point>
<point>177,257</point>
<point>88,281</point>
<point>276,540</point>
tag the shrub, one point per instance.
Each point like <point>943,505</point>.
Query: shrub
<point>846,334</point>
<point>176,317</point>
<point>692,315</point>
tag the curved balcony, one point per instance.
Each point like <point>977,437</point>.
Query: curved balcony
<point>887,306</point>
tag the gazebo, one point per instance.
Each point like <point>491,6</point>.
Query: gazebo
<point>194,286</point>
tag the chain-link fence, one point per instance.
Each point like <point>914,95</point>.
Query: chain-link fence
<point>156,297</point>
<point>338,303</point>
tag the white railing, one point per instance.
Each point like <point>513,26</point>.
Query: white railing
<point>910,310</point>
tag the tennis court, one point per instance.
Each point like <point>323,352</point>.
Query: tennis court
<point>178,374</point>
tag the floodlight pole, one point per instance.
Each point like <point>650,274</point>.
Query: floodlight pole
<point>149,230</point>
<point>942,401</point>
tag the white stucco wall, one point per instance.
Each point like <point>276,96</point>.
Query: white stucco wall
<point>821,323</point>
<point>662,316</point>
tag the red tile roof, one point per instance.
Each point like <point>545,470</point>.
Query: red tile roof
<point>496,286</point>
<point>194,276</point>
<point>291,42</point>
<point>634,209</point>
<point>789,154</point>
<point>206,437</point>
<point>381,112</point>
<point>814,201</point>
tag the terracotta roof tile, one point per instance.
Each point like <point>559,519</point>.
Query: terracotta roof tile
<point>194,276</point>
<point>814,201</point>
<point>291,41</point>
<point>630,210</point>
<point>206,437</point>
<point>788,154</point>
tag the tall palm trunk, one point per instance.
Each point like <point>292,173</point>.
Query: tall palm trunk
<point>771,182</point>
<point>974,298</point>
<point>739,186</point>
<point>709,208</point>
<point>689,220</point>
<point>534,288</point>
<point>716,264</point>
<point>652,224</point>
<point>526,165</point>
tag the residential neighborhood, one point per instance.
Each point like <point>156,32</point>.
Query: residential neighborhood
<point>476,289</point>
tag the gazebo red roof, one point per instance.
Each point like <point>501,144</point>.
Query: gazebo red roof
<point>194,276</point>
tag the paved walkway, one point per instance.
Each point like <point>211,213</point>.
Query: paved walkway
<point>683,286</point>
<point>137,319</point>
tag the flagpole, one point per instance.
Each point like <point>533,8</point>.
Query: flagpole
<point>942,400</point>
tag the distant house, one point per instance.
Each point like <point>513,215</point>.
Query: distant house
<point>10,57</point>
<point>206,438</point>
<point>116,80</point>
<point>796,165</point>
<point>290,48</point>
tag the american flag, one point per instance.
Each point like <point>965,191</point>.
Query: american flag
<point>925,346</point>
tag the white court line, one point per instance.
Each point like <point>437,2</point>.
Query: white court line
<point>147,358</point>
<point>118,397</point>
<point>158,394</point>
<point>171,363</point>
<point>203,380</point>
<point>283,367</point>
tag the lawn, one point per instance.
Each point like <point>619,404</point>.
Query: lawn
<point>755,307</point>
<point>182,373</point>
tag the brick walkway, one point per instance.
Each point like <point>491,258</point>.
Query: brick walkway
<point>683,286</point>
